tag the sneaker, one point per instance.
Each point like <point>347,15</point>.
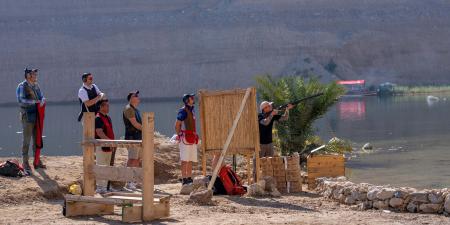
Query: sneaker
<point>131,186</point>
<point>184,181</point>
<point>101,190</point>
<point>27,169</point>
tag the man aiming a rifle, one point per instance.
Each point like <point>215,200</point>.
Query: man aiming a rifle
<point>266,119</point>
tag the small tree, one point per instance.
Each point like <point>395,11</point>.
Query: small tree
<point>299,127</point>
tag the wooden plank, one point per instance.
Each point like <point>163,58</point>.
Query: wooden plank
<point>118,173</point>
<point>133,214</point>
<point>203,130</point>
<point>229,138</point>
<point>161,197</point>
<point>88,154</point>
<point>255,132</point>
<point>148,165</point>
<point>326,170</point>
<point>87,209</point>
<point>115,143</point>
<point>100,200</point>
<point>249,170</point>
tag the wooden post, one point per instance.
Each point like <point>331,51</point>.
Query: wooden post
<point>203,145</point>
<point>229,138</point>
<point>88,154</point>
<point>148,166</point>
<point>249,170</point>
<point>256,133</point>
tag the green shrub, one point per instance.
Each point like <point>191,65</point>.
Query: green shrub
<point>293,133</point>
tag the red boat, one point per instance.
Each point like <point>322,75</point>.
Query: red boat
<point>356,88</point>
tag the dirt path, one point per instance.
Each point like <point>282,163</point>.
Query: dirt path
<point>38,200</point>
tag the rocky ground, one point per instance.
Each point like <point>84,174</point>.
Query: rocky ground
<point>38,200</point>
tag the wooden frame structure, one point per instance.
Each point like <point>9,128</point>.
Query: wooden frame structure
<point>229,125</point>
<point>135,207</point>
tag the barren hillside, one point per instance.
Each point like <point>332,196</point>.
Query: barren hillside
<point>166,48</point>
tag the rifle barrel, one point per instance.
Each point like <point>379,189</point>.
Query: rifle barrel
<point>300,100</point>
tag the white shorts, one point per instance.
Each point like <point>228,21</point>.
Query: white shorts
<point>188,152</point>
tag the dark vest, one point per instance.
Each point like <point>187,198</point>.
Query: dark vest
<point>189,122</point>
<point>131,133</point>
<point>30,110</point>
<point>91,95</point>
<point>265,132</point>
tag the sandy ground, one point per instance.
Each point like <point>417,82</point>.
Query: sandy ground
<point>38,200</point>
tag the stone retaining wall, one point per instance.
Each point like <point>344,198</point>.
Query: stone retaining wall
<point>367,196</point>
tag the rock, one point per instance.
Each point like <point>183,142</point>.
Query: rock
<point>367,146</point>
<point>255,190</point>
<point>365,205</point>
<point>336,193</point>
<point>341,179</point>
<point>419,197</point>
<point>372,194</point>
<point>202,197</point>
<point>262,184</point>
<point>401,194</point>
<point>275,193</point>
<point>200,182</point>
<point>430,208</point>
<point>436,198</point>
<point>270,185</point>
<point>412,207</point>
<point>186,189</point>
<point>381,204</point>
<point>385,193</point>
<point>349,200</point>
<point>396,202</point>
<point>360,196</point>
<point>447,204</point>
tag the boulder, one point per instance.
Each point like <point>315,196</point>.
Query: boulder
<point>401,194</point>
<point>201,197</point>
<point>359,195</point>
<point>419,197</point>
<point>349,200</point>
<point>270,185</point>
<point>381,204</point>
<point>436,198</point>
<point>255,190</point>
<point>447,204</point>
<point>430,208</point>
<point>186,189</point>
<point>275,193</point>
<point>396,202</point>
<point>412,207</point>
<point>365,205</point>
<point>385,193</point>
<point>367,146</point>
<point>372,194</point>
<point>200,182</point>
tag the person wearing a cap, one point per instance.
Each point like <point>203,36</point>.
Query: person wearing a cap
<point>187,136</point>
<point>266,119</point>
<point>133,130</point>
<point>28,94</point>
<point>88,95</point>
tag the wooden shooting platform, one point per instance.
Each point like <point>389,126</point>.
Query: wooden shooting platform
<point>136,207</point>
<point>229,125</point>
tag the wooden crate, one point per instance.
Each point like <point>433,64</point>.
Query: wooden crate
<point>324,166</point>
<point>293,175</point>
<point>277,161</point>
<point>279,173</point>
<point>295,187</point>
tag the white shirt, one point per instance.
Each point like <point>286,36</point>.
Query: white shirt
<point>82,93</point>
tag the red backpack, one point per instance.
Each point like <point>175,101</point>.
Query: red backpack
<point>231,181</point>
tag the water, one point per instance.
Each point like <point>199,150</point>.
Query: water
<point>410,135</point>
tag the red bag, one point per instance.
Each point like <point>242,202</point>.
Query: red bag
<point>190,137</point>
<point>231,181</point>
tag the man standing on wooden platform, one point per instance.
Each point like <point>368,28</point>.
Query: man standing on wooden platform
<point>187,136</point>
<point>133,130</point>
<point>29,96</point>
<point>103,130</point>
<point>266,119</point>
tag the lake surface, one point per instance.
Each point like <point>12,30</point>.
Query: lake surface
<point>410,135</point>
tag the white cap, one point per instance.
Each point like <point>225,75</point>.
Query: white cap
<point>264,104</point>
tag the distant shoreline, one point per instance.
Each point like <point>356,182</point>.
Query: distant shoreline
<point>155,99</point>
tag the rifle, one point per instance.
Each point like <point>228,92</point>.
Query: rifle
<point>296,102</point>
